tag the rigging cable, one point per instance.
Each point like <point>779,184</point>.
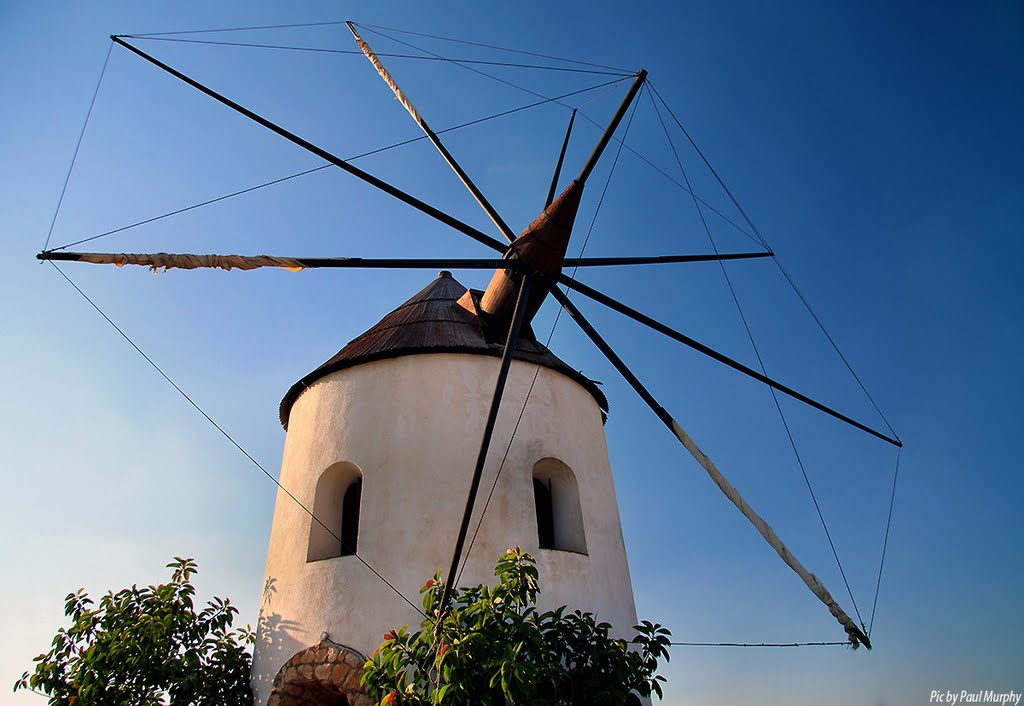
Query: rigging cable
<point>192,207</point>
<point>760,362</point>
<point>354,52</point>
<point>885,542</point>
<point>326,166</point>
<point>78,145</point>
<point>586,117</point>
<point>237,29</point>
<point>547,343</point>
<point>469,68</point>
<point>835,347</point>
<point>778,263</point>
<point>828,336</point>
<point>491,46</point>
<point>226,435</point>
<point>728,192</point>
<point>759,644</point>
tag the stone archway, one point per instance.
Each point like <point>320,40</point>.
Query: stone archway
<point>326,674</point>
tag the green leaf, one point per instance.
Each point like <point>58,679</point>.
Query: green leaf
<point>494,647</point>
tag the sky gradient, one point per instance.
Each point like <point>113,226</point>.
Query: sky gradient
<point>877,148</point>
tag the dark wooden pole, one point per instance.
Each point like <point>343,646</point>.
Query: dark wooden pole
<point>416,203</point>
<point>712,353</point>
<point>492,417</point>
<point>561,158</point>
<point>659,259</point>
<point>452,263</point>
<point>610,130</point>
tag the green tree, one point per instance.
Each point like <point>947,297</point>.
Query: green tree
<point>494,648</point>
<point>146,647</point>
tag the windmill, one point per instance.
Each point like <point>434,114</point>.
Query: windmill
<point>527,268</point>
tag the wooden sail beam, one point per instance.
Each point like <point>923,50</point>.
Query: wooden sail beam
<point>561,158</point>
<point>432,136</point>
<point>660,259</point>
<point>641,76</point>
<point>492,417</point>
<point>387,188</point>
<point>856,635</point>
<point>252,262</point>
<point>721,358</point>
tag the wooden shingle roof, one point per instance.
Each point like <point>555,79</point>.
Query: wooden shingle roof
<point>441,318</point>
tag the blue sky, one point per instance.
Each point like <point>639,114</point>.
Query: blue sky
<point>877,148</point>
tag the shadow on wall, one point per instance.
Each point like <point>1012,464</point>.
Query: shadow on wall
<point>274,640</point>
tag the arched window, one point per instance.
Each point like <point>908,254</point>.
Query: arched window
<point>557,502</point>
<point>335,504</point>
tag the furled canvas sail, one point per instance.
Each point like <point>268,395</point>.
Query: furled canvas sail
<point>855,634</point>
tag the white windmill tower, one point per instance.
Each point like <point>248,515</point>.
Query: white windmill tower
<point>380,442</point>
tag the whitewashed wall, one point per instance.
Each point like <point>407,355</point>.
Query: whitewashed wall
<point>413,426</point>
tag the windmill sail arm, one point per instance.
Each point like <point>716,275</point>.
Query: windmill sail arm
<point>659,259</point>
<point>712,353</point>
<point>854,633</point>
<point>431,135</point>
<point>515,327</point>
<point>387,188</point>
<point>561,158</point>
<point>181,261</point>
<point>641,76</point>
<point>184,261</point>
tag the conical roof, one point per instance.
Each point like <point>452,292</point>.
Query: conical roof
<point>441,318</point>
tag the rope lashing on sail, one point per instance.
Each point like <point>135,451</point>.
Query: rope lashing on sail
<point>855,634</point>
<point>167,261</point>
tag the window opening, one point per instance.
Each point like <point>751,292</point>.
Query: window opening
<point>335,504</point>
<point>545,514</point>
<point>350,517</point>
<point>557,504</point>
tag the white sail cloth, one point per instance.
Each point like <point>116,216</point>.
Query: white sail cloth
<point>431,135</point>
<point>163,260</point>
<point>392,84</point>
<point>769,535</point>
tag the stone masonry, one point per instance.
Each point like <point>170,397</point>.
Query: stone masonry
<point>326,674</point>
